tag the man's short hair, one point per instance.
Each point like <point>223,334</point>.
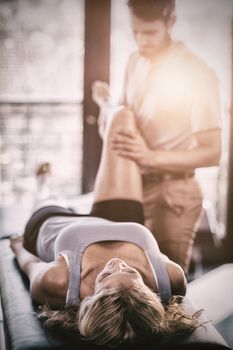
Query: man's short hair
<point>151,10</point>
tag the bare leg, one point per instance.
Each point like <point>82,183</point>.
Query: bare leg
<point>45,195</point>
<point>117,177</point>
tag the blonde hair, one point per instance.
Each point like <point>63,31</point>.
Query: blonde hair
<point>120,315</point>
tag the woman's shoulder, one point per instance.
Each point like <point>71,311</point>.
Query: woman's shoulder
<point>53,284</point>
<point>177,277</point>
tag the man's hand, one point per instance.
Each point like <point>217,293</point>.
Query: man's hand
<point>132,145</point>
<point>206,153</point>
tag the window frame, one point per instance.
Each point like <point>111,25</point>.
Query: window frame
<point>96,67</point>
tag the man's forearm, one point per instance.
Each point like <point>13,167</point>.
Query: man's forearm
<point>132,145</point>
<point>206,153</point>
<point>175,161</point>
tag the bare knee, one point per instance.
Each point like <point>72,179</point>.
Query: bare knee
<point>122,119</point>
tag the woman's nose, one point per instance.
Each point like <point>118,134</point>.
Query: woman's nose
<point>118,265</point>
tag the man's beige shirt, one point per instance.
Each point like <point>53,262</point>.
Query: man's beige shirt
<point>172,98</point>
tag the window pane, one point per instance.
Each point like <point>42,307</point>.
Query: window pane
<point>41,92</point>
<point>41,47</point>
<point>31,134</point>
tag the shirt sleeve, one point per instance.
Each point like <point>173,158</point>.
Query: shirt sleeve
<point>205,102</point>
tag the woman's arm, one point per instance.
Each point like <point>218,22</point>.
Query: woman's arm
<point>48,283</point>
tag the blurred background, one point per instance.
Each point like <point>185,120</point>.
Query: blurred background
<point>50,53</point>
<point>42,46</point>
<point>41,93</point>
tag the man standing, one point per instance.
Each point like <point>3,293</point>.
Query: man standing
<point>175,99</point>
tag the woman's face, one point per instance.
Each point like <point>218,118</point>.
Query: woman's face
<point>116,273</point>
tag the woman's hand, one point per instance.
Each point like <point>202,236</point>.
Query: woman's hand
<point>16,242</point>
<point>131,144</point>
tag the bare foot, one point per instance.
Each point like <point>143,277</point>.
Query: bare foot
<point>44,168</point>
<point>16,242</point>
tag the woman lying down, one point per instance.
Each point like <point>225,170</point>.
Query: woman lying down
<point>102,275</point>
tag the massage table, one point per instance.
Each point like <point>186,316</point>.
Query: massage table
<point>24,331</point>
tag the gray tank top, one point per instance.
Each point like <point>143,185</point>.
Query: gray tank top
<point>71,236</point>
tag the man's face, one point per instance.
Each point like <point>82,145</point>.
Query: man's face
<point>151,37</point>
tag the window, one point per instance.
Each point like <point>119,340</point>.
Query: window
<point>41,93</point>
